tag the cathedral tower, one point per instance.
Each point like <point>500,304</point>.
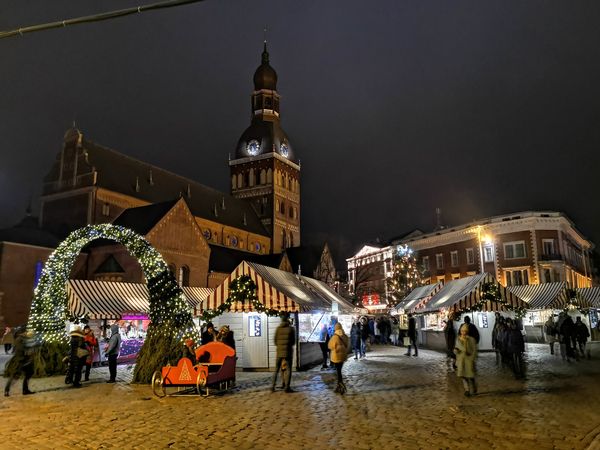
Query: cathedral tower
<point>265,170</point>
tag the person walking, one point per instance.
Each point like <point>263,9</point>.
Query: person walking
<point>91,344</point>
<point>22,360</point>
<point>355,337</point>
<point>582,334</point>
<point>8,340</point>
<point>412,335</point>
<point>364,336</point>
<point>515,347</point>
<point>466,355</point>
<point>285,339</point>
<point>112,352</point>
<point>566,336</point>
<point>550,331</point>
<point>496,337</point>
<point>78,356</point>
<point>338,345</point>
<point>450,337</point>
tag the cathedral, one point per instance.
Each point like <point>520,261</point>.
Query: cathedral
<point>202,233</point>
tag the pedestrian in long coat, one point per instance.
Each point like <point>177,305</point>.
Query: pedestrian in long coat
<point>23,360</point>
<point>355,338</point>
<point>285,339</point>
<point>78,356</point>
<point>450,336</point>
<point>338,345</point>
<point>466,355</point>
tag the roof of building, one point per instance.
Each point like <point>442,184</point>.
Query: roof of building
<point>225,260</point>
<point>305,257</point>
<point>270,137</point>
<point>121,173</point>
<point>144,218</point>
<point>265,76</point>
<point>28,232</point>
<point>110,265</point>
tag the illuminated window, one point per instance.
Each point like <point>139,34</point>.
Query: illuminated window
<point>470,256</point>
<point>454,258</point>
<point>514,250</point>
<point>426,263</point>
<point>548,247</point>
<point>517,277</point>
<point>488,253</point>
<point>439,260</point>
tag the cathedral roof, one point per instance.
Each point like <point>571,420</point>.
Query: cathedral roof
<point>143,218</point>
<point>120,173</point>
<point>28,232</point>
<point>225,260</point>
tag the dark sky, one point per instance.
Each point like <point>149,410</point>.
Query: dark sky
<point>394,107</point>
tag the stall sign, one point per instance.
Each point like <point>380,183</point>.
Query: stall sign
<point>134,316</point>
<point>370,299</point>
<point>594,318</point>
<point>483,321</point>
<point>254,326</point>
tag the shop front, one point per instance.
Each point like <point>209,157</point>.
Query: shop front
<point>312,305</point>
<point>101,304</point>
<point>458,298</point>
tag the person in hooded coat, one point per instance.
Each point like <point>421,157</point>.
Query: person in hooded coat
<point>112,352</point>
<point>285,339</point>
<point>23,356</point>
<point>338,345</point>
<point>466,355</point>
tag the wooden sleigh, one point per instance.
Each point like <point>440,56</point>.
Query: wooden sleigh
<point>216,372</point>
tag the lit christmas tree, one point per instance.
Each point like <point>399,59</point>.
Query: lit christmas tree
<point>406,274</point>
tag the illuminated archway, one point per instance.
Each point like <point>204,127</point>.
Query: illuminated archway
<point>170,318</point>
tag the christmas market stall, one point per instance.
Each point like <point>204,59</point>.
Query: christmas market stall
<point>548,300</point>
<point>100,304</point>
<point>592,296</point>
<point>415,300</point>
<point>250,301</point>
<point>479,296</point>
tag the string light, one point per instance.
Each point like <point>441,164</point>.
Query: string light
<point>170,315</point>
<point>406,273</point>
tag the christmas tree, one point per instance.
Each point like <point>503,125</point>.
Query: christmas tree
<point>406,274</point>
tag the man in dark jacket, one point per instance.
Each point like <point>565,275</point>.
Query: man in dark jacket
<point>473,331</point>
<point>364,336</point>
<point>515,347</point>
<point>582,334</point>
<point>112,351</point>
<point>566,331</point>
<point>23,360</point>
<point>285,339</point>
<point>412,335</point>
<point>79,353</point>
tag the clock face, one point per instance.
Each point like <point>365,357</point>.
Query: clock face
<point>285,150</point>
<point>207,234</point>
<point>253,147</point>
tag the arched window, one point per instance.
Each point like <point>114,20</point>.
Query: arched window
<point>240,181</point>
<point>251,177</point>
<point>277,205</point>
<point>173,269</point>
<point>269,175</point>
<point>283,239</point>
<point>246,179</point>
<point>263,176</point>
<point>282,206</point>
<point>291,212</point>
<point>184,276</point>
<point>291,240</point>
<point>233,182</point>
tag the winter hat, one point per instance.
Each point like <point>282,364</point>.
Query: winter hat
<point>210,325</point>
<point>189,342</point>
<point>338,326</point>
<point>77,331</point>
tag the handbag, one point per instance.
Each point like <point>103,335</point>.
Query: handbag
<point>82,352</point>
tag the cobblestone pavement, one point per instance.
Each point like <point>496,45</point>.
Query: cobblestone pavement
<point>393,401</point>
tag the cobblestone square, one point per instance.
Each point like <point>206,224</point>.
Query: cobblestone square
<point>393,401</point>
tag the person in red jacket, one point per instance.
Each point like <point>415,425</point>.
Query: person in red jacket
<point>92,344</point>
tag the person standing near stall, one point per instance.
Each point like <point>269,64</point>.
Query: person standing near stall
<point>91,344</point>
<point>323,343</point>
<point>364,336</point>
<point>112,351</point>
<point>338,344</point>
<point>412,335</point>
<point>582,334</point>
<point>450,336</point>
<point>78,355</point>
<point>285,339</point>
<point>355,337</point>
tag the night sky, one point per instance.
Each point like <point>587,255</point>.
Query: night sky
<point>394,107</point>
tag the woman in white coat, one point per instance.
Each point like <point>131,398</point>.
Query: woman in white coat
<point>466,355</point>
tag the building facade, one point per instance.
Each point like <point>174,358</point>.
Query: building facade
<point>368,271</point>
<point>520,248</point>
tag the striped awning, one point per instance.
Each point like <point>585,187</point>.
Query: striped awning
<point>276,289</point>
<point>465,293</point>
<point>590,295</point>
<point>196,296</point>
<point>543,296</point>
<point>418,297</point>
<point>328,294</point>
<point>111,299</point>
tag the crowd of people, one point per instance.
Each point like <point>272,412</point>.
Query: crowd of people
<point>571,336</point>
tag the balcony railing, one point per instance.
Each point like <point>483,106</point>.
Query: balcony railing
<point>551,257</point>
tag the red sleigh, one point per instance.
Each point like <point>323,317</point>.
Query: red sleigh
<point>216,371</point>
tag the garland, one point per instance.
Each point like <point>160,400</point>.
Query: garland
<point>491,292</point>
<point>574,301</point>
<point>240,290</point>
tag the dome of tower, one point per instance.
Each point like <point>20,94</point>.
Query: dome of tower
<point>265,76</point>
<point>264,137</point>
